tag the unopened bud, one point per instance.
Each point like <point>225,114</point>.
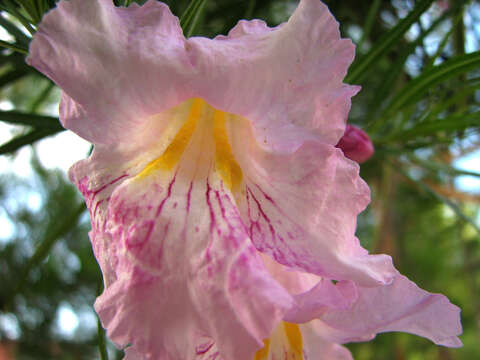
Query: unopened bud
<point>355,144</point>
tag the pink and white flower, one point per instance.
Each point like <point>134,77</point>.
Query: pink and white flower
<point>221,209</point>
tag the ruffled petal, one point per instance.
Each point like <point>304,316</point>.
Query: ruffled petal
<point>183,258</point>
<point>173,248</point>
<point>313,295</point>
<point>278,78</point>
<point>178,239</point>
<point>301,209</point>
<point>116,66</point>
<point>97,178</point>
<point>108,166</point>
<point>289,75</point>
<point>400,306</point>
<point>320,299</point>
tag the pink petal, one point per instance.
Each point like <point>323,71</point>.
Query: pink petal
<point>400,306</point>
<point>321,298</point>
<point>96,178</point>
<point>301,209</point>
<point>186,269</point>
<point>313,295</point>
<point>289,75</point>
<point>117,64</point>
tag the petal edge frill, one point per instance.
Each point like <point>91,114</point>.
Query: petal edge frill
<point>290,75</point>
<point>112,63</point>
<point>400,306</point>
<point>301,209</point>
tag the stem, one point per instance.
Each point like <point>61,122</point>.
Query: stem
<point>13,47</point>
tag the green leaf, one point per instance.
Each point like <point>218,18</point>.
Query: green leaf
<point>454,207</point>
<point>14,75</point>
<point>37,121</point>
<point>414,90</point>
<point>367,28</point>
<point>387,87</point>
<point>31,8</point>
<point>27,139</point>
<point>65,225</point>
<point>14,47</point>
<point>443,43</point>
<point>365,64</point>
<point>449,125</point>
<point>41,98</point>
<point>101,338</point>
<point>451,100</point>
<point>13,30</point>
<point>102,343</point>
<point>190,17</point>
<point>436,167</point>
<point>10,7</point>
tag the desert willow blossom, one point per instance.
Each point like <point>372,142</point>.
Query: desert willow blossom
<point>223,216</point>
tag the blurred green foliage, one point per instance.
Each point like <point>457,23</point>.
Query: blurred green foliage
<point>419,67</point>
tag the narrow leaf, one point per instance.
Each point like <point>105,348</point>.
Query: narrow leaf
<point>10,7</point>
<point>360,68</point>
<point>449,125</point>
<point>440,167</point>
<point>443,43</point>
<point>102,342</point>
<point>450,101</point>
<point>417,87</point>
<point>101,338</point>
<point>27,139</point>
<point>13,30</point>
<point>196,17</point>
<point>190,16</point>
<point>367,28</point>
<point>14,75</point>
<point>397,69</point>
<point>37,121</point>
<point>41,98</point>
<point>14,47</point>
<point>454,207</point>
<point>65,225</point>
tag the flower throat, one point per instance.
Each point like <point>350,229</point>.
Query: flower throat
<point>201,114</point>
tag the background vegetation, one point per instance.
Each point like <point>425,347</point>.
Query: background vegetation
<point>419,66</point>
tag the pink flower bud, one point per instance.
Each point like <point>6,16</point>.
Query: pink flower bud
<point>355,144</point>
<point>443,5</point>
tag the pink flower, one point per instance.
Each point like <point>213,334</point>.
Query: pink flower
<point>221,209</point>
<point>355,144</point>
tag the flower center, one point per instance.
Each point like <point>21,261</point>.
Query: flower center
<point>285,343</point>
<point>201,115</point>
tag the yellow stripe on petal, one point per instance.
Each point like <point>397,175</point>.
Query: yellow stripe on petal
<point>209,121</point>
<point>285,343</point>
<point>172,154</point>
<point>262,354</point>
<point>225,163</point>
<point>295,341</point>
